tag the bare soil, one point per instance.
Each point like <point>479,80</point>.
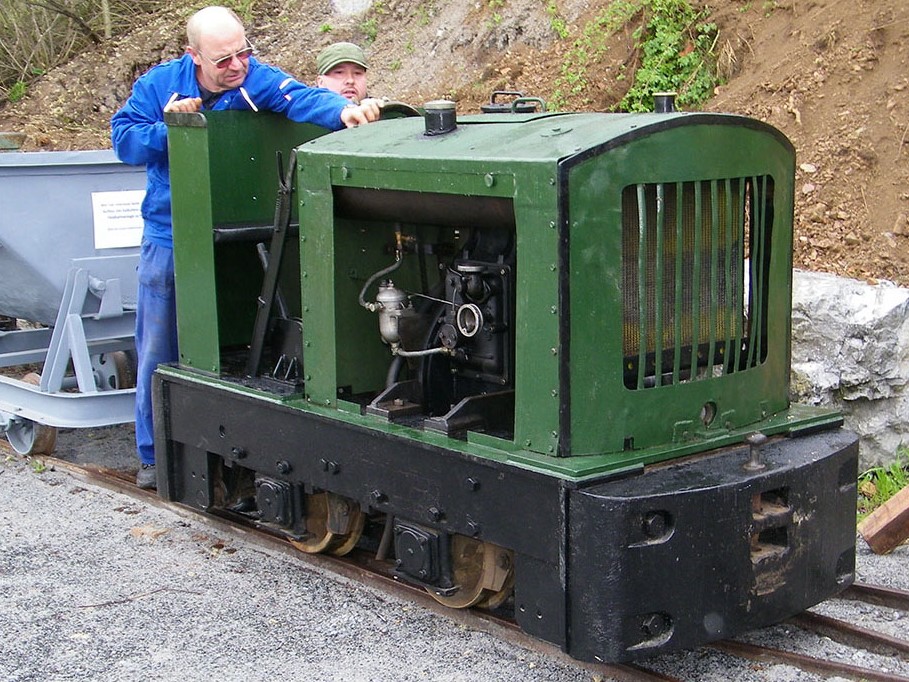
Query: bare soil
<point>831,74</point>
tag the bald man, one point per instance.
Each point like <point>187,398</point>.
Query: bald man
<point>217,72</point>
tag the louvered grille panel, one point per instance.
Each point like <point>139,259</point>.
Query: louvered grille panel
<point>692,308</point>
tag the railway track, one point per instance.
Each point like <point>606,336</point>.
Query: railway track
<point>362,567</point>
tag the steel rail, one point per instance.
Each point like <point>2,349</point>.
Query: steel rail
<point>852,635</point>
<point>807,663</point>
<point>878,595</point>
<point>359,566</point>
<point>362,567</point>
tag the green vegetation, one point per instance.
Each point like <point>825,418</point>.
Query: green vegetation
<point>556,22</point>
<point>17,91</point>
<point>245,9</point>
<point>589,48</point>
<point>496,18</point>
<point>370,29</point>
<point>325,28</point>
<point>879,484</point>
<point>425,12</point>
<point>677,54</point>
<point>673,47</point>
<point>37,465</point>
<point>37,36</point>
<point>370,26</point>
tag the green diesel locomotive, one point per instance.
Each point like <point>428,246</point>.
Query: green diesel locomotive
<point>537,361</point>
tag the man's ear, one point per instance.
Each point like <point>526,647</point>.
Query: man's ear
<point>319,82</point>
<point>197,60</point>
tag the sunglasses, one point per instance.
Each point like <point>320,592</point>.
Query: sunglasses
<point>242,55</point>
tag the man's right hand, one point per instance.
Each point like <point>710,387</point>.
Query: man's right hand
<point>367,111</point>
<point>189,105</point>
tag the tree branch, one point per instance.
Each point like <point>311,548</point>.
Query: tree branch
<point>54,6</point>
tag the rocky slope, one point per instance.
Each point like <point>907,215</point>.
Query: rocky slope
<point>831,74</point>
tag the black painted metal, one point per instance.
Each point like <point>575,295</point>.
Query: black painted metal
<point>614,570</point>
<point>378,470</point>
<point>203,428</point>
<point>279,236</point>
<point>702,550</point>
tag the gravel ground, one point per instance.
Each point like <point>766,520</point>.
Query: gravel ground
<point>98,586</point>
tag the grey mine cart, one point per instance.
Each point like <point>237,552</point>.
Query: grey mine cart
<point>69,232</point>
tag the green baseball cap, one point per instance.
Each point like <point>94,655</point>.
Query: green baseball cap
<point>338,53</point>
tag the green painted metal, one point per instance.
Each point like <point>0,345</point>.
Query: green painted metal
<point>605,415</point>
<point>559,182</point>
<point>224,176</point>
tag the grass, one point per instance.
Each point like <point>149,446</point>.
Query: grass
<point>17,91</point>
<point>879,484</point>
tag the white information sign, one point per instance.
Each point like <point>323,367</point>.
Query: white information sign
<point>118,220</point>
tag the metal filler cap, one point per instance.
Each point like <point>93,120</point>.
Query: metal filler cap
<point>441,117</point>
<point>664,102</point>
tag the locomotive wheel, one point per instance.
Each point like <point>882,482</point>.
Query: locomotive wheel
<point>494,599</point>
<point>484,573</point>
<point>320,538</point>
<point>31,438</point>
<point>316,525</point>
<point>343,544</point>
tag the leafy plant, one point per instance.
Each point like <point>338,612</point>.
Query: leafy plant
<point>37,465</point>
<point>677,54</point>
<point>556,22</point>
<point>496,17</point>
<point>370,28</point>
<point>589,48</point>
<point>674,44</point>
<point>879,484</point>
<point>325,28</point>
<point>17,91</point>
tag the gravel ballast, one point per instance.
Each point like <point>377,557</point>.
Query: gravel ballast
<point>96,585</point>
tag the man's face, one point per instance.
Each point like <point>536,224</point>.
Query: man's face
<point>347,79</point>
<point>222,60</point>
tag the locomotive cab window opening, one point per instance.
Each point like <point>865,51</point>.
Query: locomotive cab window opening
<point>436,276</point>
<point>695,278</point>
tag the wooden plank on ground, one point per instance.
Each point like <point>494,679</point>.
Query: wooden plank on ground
<point>887,526</point>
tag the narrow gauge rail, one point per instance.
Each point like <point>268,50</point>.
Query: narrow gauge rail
<point>362,566</point>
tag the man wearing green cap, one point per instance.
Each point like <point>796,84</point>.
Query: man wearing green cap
<point>342,68</point>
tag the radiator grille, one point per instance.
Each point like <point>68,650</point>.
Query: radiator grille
<point>695,257</point>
